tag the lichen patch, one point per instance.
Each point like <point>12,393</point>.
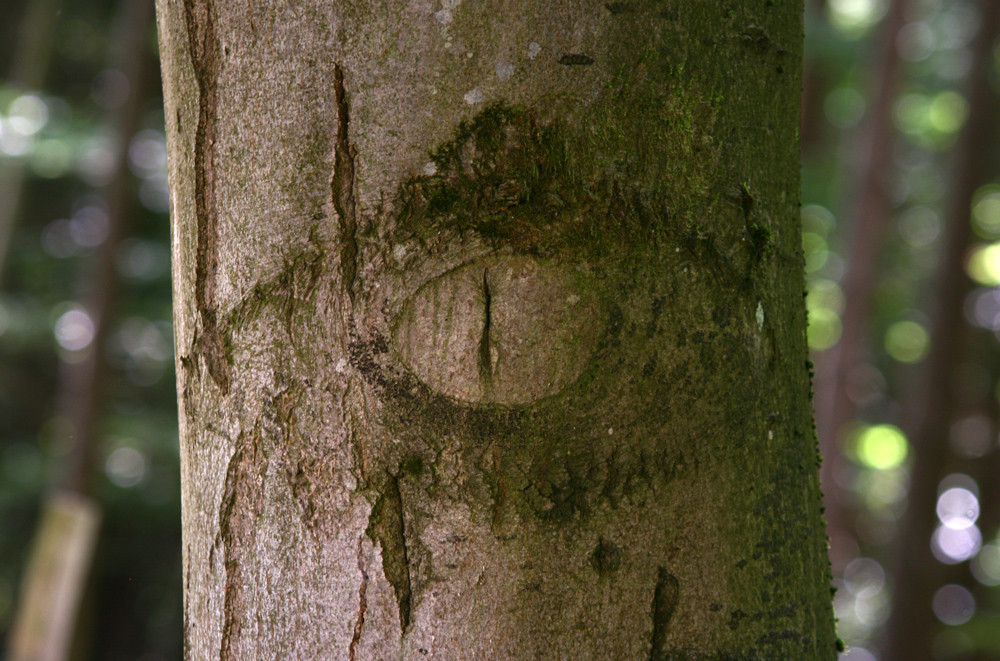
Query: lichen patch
<point>473,97</point>
<point>504,70</point>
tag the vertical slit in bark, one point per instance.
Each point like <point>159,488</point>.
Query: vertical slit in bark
<point>485,362</point>
<point>342,186</point>
<point>362,602</point>
<point>664,602</point>
<point>204,51</point>
<point>188,622</point>
<point>385,526</point>
<point>242,501</point>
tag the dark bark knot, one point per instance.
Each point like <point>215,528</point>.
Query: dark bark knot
<point>606,558</point>
<point>504,329</point>
<point>576,59</point>
<point>665,596</point>
<point>619,8</point>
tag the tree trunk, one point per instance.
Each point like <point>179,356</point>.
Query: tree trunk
<point>490,331</point>
<point>32,53</point>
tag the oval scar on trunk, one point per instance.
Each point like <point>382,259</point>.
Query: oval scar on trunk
<point>499,330</point>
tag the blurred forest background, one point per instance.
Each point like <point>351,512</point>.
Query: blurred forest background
<point>901,236</point>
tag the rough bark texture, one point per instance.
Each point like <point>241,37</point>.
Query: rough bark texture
<point>490,333</point>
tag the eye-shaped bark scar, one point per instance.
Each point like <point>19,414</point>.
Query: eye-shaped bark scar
<point>499,330</point>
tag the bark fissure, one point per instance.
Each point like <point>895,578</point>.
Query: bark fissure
<point>189,622</point>
<point>485,362</point>
<point>362,602</point>
<point>342,186</point>
<point>242,501</point>
<point>576,59</point>
<point>664,602</point>
<point>204,52</point>
<point>386,527</point>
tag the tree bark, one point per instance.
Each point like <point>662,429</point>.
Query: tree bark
<point>490,332</point>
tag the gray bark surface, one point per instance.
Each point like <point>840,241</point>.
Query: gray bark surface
<point>490,332</point>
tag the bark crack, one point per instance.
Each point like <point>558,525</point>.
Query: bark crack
<point>362,602</point>
<point>664,603</point>
<point>485,359</point>
<point>386,526</point>
<point>242,501</point>
<point>342,186</point>
<point>204,52</point>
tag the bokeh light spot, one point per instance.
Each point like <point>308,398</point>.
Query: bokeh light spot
<point>986,565</point>
<point>983,265</point>
<point>907,341</point>
<point>824,329</point>
<point>947,112</point>
<point>882,447</point>
<point>958,508</point>
<point>854,17</point>
<point>147,153</point>
<point>51,158</point>
<point>915,41</point>
<point>986,211</point>
<point>74,330</point>
<point>125,466</point>
<point>826,294</point>
<point>864,577</point>
<point>951,546</point>
<point>954,605</point>
<point>856,654</point>
<point>28,114</point>
<point>816,251</point>
<point>971,437</point>
<point>818,219</point>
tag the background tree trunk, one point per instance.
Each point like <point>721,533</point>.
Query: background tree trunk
<point>47,623</point>
<point>932,404</point>
<point>27,74</point>
<point>869,222</point>
<point>490,331</point>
